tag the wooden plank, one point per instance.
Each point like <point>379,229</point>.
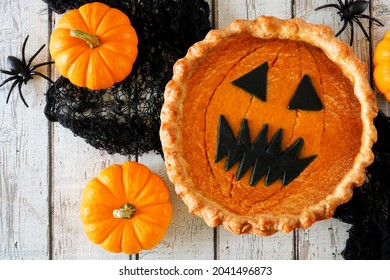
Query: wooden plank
<point>188,236</point>
<point>279,246</point>
<point>323,240</point>
<point>228,10</point>
<point>250,247</point>
<point>23,138</point>
<point>74,163</point>
<point>326,239</point>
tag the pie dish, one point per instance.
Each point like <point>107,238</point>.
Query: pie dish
<point>267,125</point>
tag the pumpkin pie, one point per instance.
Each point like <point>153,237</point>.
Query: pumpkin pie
<point>267,125</point>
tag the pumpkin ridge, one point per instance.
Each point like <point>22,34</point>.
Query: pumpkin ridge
<point>154,224</point>
<point>120,192</point>
<point>98,236</point>
<point>100,204</point>
<point>107,53</point>
<point>136,235</point>
<point>112,32</point>
<point>68,20</point>
<point>65,52</point>
<point>65,49</point>
<point>101,21</point>
<point>85,22</point>
<point>104,74</point>
<point>88,82</point>
<point>115,51</point>
<point>139,232</point>
<point>153,204</point>
<point>95,7</point>
<point>109,70</point>
<point>92,192</point>
<point>136,195</point>
<point>74,67</point>
<point>117,234</point>
<point>106,18</point>
<point>151,220</point>
<point>143,198</point>
<point>129,236</point>
<point>141,191</point>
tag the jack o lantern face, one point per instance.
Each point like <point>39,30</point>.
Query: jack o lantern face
<point>273,111</point>
<point>267,125</point>
<point>267,159</point>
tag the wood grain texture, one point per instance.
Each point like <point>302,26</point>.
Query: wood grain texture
<point>23,139</point>
<point>74,164</point>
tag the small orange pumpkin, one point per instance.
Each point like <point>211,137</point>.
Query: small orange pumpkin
<point>126,208</point>
<point>94,46</point>
<point>381,61</point>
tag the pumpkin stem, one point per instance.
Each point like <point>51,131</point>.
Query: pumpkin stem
<point>125,212</point>
<point>91,40</point>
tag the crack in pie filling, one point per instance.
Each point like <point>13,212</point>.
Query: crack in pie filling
<point>267,125</point>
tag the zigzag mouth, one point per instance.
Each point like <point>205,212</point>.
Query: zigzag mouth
<point>268,160</point>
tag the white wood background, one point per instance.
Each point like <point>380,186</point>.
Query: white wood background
<point>44,168</point>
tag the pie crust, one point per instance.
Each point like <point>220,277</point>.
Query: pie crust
<point>294,213</point>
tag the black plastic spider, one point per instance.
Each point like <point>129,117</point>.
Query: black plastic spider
<point>22,72</point>
<point>351,11</point>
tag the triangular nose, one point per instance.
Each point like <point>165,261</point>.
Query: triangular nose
<point>255,82</point>
<point>305,97</point>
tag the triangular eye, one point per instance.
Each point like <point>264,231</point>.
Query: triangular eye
<point>255,82</point>
<point>305,97</point>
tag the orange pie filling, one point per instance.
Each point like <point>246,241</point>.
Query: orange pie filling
<point>211,94</point>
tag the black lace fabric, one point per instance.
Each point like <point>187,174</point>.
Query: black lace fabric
<point>125,118</point>
<point>368,210</point>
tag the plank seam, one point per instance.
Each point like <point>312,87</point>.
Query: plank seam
<point>50,151</point>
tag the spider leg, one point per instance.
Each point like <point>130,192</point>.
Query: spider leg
<point>23,50</point>
<point>351,28</point>
<point>370,18</point>
<point>12,87</point>
<point>7,72</point>
<point>361,27</point>
<point>8,80</point>
<point>342,28</point>
<point>41,64</point>
<point>328,6</point>
<point>34,56</point>
<point>20,93</point>
<point>41,75</point>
